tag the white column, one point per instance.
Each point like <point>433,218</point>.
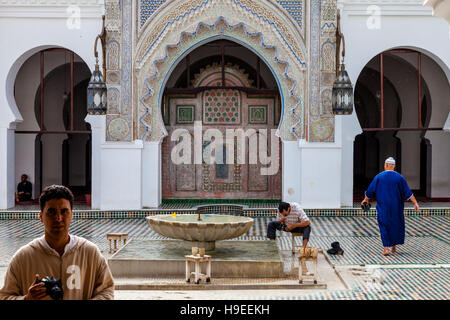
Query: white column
<point>98,127</point>
<point>440,163</point>
<point>350,128</point>
<point>151,175</point>
<point>121,175</point>
<point>291,172</point>
<point>7,183</point>
<point>25,159</point>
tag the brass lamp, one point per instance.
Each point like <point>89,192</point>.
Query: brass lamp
<point>96,91</point>
<point>342,93</point>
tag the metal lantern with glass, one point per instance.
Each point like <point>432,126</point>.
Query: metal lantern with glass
<point>96,91</point>
<point>342,93</point>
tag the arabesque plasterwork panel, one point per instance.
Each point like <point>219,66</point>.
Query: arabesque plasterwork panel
<point>261,28</point>
<point>165,31</point>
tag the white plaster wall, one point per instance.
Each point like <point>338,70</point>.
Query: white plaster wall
<point>411,26</point>
<point>121,175</point>
<point>291,174</point>
<point>320,175</point>
<point>25,30</point>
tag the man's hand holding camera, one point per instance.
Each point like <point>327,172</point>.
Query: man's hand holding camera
<point>37,291</point>
<point>289,227</point>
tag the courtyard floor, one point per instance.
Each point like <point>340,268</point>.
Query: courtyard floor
<point>419,270</point>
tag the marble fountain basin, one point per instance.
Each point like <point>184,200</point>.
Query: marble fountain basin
<point>203,233</point>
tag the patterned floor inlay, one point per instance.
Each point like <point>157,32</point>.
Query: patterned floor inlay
<point>398,284</point>
<point>427,242</point>
<point>368,250</point>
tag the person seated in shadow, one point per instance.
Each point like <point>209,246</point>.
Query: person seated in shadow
<point>24,189</point>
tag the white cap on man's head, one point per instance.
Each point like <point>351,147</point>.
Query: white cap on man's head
<point>390,160</point>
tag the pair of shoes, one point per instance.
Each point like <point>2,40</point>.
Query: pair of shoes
<point>335,249</point>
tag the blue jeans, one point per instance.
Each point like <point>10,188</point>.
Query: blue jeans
<point>277,225</point>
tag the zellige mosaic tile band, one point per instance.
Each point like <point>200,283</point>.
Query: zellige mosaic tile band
<point>250,212</point>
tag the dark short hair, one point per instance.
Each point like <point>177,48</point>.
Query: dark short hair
<point>24,175</point>
<point>55,192</point>
<point>283,206</point>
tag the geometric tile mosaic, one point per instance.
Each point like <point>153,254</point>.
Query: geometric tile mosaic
<point>294,8</point>
<point>147,8</point>
<point>185,114</point>
<point>257,114</point>
<point>360,247</point>
<point>398,284</point>
<point>250,210</point>
<point>221,107</point>
<point>427,242</point>
<point>367,250</point>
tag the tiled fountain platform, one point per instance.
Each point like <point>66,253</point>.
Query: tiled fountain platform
<point>231,258</point>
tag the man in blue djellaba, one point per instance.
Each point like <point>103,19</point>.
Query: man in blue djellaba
<point>391,190</point>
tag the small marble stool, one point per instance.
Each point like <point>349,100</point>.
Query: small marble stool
<point>116,237</point>
<point>307,254</point>
<point>295,234</point>
<point>197,274</point>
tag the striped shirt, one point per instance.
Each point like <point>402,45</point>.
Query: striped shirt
<point>296,215</point>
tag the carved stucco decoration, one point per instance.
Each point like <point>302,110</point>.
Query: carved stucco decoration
<point>179,27</point>
<point>322,70</point>
<point>241,79</point>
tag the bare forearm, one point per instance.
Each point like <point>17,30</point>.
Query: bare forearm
<point>413,199</point>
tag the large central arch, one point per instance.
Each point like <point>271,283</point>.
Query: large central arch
<point>177,30</point>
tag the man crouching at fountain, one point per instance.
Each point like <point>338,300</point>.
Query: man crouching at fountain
<point>290,218</point>
<point>58,265</point>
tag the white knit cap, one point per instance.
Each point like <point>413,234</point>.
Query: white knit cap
<point>390,160</point>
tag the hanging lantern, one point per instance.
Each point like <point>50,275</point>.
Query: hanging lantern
<point>342,93</point>
<point>96,91</point>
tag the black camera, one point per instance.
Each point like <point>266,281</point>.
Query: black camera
<point>366,206</point>
<point>53,287</point>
